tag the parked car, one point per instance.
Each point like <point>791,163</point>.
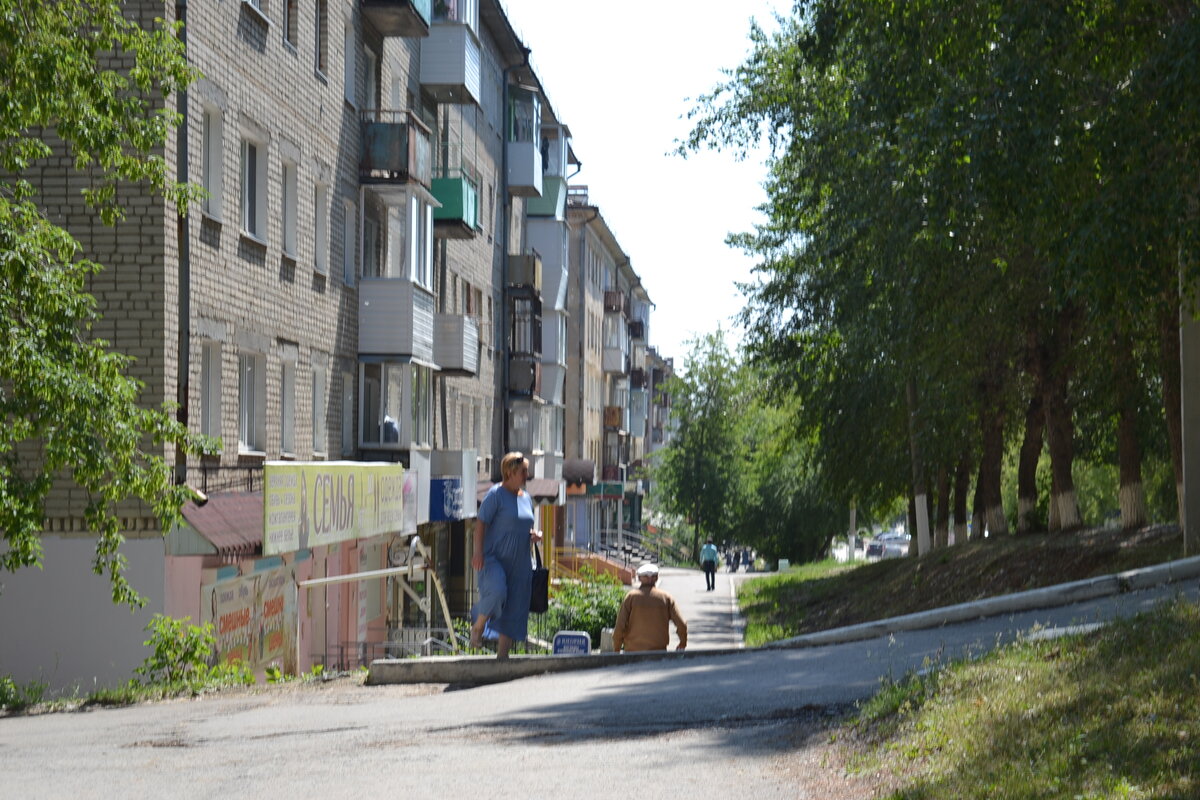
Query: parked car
<point>895,545</point>
<point>875,548</point>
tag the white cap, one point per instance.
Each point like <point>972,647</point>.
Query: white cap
<point>647,569</point>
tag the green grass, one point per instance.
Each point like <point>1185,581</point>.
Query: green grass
<point>1112,714</point>
<point>815,597</point>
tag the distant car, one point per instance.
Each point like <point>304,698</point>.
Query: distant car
<point>895,545</point>
<point>875,548</point>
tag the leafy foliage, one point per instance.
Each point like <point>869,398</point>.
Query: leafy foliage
<point>81,80</point>
<point>181,654</point>
<point>17,697</point>
<point>589,604</point>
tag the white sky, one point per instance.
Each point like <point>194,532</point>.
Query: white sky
<point>623,75</point>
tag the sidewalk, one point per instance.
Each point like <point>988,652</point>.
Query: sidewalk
<point>712,629</point>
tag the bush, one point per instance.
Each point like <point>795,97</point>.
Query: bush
<point>15,697</point>
<point>589,604</point>
<point>181,656</point>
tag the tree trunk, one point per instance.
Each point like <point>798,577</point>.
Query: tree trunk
<point>1168,338</point>
<point>1060,434</point>
<point>1031,451</point>
<point>992,421</point>
<point>978,521</point>
<point>962,483</point>
<point>920,494</point>
<point>941,536</point>
<point>1132,493</point>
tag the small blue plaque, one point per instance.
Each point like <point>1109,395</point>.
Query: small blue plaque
<point>572,643</point>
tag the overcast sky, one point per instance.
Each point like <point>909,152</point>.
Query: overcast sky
<point>622,75</point>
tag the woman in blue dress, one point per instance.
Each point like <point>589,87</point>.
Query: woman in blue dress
<point>503,531</point>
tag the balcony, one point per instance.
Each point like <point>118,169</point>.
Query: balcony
<point>556,161</point>
<point>405,18</point>
<point>610,472</point>
<point>614,302</point>
<point>614,418</point>
<point>456,344</point>
<point>450,64</point>
<point>525,376</point>
<point>637,330</point>
<point>637,378</point>
<point>395,317</point>
<point>526,272</point>
<point>522,142</point>
<point>554,377</point>
<point>458,216</point>
<point>395,152</point>
<point>614,361</point>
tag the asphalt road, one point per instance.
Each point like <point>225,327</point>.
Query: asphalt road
<point>706,727</point>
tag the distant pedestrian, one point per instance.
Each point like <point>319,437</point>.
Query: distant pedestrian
<point>748,559</point>
<point>708,560</point>
<point>645,612</point>
<point>737,560</point>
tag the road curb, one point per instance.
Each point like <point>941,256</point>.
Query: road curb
<point>481,670</point>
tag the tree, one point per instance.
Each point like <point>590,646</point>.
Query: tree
<point>81,80</point>
<point>698,474</point>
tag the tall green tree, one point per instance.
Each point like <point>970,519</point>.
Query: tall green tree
<point>84,80</point>
<point>699,476</point>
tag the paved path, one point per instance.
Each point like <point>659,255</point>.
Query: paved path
<point>712,618</point>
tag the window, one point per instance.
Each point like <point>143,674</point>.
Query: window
<point>291,21</point>
<point>210,389</point>
<point>289,209</point>
<point>422,404</point>
<point>397,405</point>
<point>371,100</point>
<point>321,229</point>
<point>348,266</point>
<point>349,66</point>
<point>254,184</point>
<point>211,175</point>
<point>347,414</point>
<point>322,36</point>
<point>252,391</point>
<point>420,240</point>
<point>287,407</point>
<point>319,433</point>
<point>371,265</point>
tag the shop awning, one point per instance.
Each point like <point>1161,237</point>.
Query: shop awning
<point>579,471</point>
<point>231,523</point>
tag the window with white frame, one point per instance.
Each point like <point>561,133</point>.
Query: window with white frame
<point>210,389</point>
<point>211,173</point>
<point>321,229</point>
<point>289,209</point>
<point>287,407</point>
<point>347,414</point>
<point>347,225</point>
<point>319,434</point>
<point>349,65</point>
<point>421,404</point>
<point>420,241</point>
<point>254,189</point>
<point>252,402</point>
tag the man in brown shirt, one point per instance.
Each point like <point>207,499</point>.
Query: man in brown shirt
<point>642,621</point>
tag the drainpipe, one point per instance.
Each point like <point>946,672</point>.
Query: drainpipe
<point>506,205</point>
<point>183,353</point>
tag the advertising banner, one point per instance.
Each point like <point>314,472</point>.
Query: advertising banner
<point>253,617</point>
<point>313,504</point>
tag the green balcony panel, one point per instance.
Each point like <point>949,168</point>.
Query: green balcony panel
<point>458,218</point>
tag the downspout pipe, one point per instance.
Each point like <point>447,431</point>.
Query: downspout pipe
<point>183,354</point>
<point>506,206</point>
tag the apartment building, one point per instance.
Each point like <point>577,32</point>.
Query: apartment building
<point>606,378</point>
<point>354,310</point>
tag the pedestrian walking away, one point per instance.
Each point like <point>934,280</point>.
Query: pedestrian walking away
<point>708,560</point>
<point>642,622</point>
<point>504,574</point>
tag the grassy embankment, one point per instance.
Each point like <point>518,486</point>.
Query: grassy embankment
<point>1113,713</point>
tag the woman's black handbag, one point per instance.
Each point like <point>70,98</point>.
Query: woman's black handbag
<point>539,597</point>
